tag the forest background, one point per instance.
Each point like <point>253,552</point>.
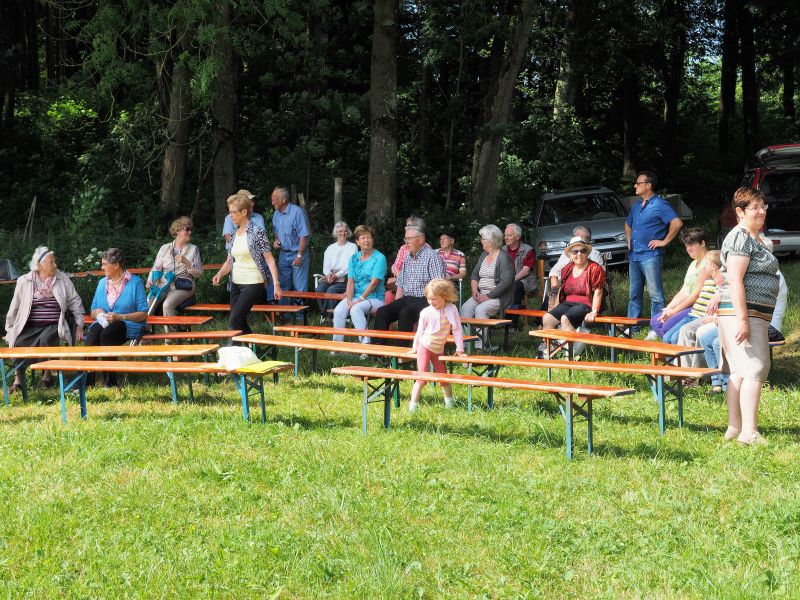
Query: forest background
<point>118,115</point>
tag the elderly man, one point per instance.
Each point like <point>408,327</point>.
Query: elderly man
<point>651,225</point>
<point>257,218</point>
<point>292,234</point>
<point>421,264</point>
<point>524,259</point>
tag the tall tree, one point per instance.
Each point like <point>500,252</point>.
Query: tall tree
<point>571,54</point>
<point>224,111</point>
<point>489,140</point>
<point>675,25</point>
<point>727,87</point>
<point>173,170</point>
<point>382,177</point>
<point>749,82</point>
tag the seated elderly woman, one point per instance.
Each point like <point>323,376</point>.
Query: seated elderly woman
<point>44,311</point>
<point>176,268</point>
<point>119,306</point>
<point>492,279</point>
<point>581,293</point>
<point>334,266</point>
<point>364,292</point>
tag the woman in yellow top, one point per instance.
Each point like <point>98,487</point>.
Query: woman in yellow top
<point>249,261</point>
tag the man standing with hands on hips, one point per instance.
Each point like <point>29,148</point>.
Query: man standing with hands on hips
<point>291,233</point>
<point>650,226</point>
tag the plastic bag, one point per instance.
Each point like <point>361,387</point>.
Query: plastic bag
<point>233,357</point>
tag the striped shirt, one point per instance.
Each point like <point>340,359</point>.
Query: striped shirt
<point>44,311</point>
<point>706,293</point>
<point>418,271</point>
<point>454,262</point>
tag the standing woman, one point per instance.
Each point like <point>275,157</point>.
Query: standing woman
<point>249,261</point>
<point>44,311</point>
<point>748,301</point>
<point>334,266</point>
<point>365,291</point>
<point>182,258</point>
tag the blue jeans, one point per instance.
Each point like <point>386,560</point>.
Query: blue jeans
<point>671,337</point>
<point>708,338</point>
<point>641,272</point>
<point>289,276</point>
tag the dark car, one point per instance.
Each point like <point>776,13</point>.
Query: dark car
<point>777,175</point>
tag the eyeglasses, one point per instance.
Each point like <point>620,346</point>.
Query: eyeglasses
<point>579,251</point>
<point>233,212</point>
<point>640,182</point>
<point>763,207</point>
<point>408,239</point>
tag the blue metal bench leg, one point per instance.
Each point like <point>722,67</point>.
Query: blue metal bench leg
<point>260,386</point>
<point>568,417</point>
<point>241,383</point>
<point>613,329</point>
<point>63,397</point>
<point>391,390</point>
<point>364,405</point>
<point>5,383</point>
<point>395,388</point>
<point>82,394</point>
<point>662,417</point>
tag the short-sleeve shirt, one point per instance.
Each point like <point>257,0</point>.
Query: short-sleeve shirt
<point>581,288</point>
<point>290,226</point>
<point>418,271</point>
<point>649,223</point>
<point>454,262</point>
<point>690,279</point>
<point>255,217</point>
<point>760,277</point>
<point>362,272</point>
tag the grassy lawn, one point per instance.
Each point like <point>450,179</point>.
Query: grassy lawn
<point>148,499</point>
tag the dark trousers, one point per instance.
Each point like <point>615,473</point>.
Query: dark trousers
<point>113,335</point>
<point>517,302</point>
<point>337,287</point>
<point>405,311</point>
<point>243,297</point>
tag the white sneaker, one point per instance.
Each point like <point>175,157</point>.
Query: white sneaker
<point>652,336</point>
<point>363,356</point>
<point>449,403</point>
<point>412,407</point>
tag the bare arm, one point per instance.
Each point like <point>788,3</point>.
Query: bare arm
<point>674,227</point>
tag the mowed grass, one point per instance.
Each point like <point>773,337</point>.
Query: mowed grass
<point>150,499</point>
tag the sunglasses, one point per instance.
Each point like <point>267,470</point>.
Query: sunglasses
<point>579,251</point>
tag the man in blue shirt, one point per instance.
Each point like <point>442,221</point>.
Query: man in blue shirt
<point>257,218</point>
<point>291,232</point>
<point>650,226</point>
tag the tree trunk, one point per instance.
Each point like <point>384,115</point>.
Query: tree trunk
<point>55,57</point>
<point>224,110</point>
<point>630,111</point>
<point>486,153</point>
<point>789,110</point>
<point>381,182</point>
<point>173,171</point>
<point>727,88</point>
<point>749,83</point>
<point>452,127</point>
<point>674,57</point>
<point>570,69</point>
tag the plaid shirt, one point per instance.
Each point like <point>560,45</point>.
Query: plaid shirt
<point>418,270</point>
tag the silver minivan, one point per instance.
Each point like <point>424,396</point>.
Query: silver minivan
<point>597,207</point>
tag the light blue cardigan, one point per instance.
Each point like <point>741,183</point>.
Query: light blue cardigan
<point>132,299</point>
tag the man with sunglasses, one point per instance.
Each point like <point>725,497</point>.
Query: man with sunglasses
<point>651,225</point>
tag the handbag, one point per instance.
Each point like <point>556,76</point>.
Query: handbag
<point>183,283</point>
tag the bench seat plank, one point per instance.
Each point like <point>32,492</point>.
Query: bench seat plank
<point>193,335</point>
<point>185,320</point>
<point>259,308</point>
<point>370,333</point>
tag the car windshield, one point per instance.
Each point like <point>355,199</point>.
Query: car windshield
<point>591,207</point>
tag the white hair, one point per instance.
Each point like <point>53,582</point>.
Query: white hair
<point>515,228</point>
<point>493,234</point>
<point>341,224</point>
<point>38,254</point>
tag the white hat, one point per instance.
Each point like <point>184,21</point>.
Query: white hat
<point>577,241</point>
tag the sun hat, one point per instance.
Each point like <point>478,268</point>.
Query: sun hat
<point>577,241</point>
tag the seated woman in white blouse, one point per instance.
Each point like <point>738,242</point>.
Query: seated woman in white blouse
<point>334,266</point>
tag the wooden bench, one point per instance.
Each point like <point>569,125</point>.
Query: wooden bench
<point>26,354</point>
<point>316,331</point>
<point>226,334</point>
<point>617,325</point>
<point>295,295</point>
<point>240,376</point>
<point>483,328</point>
<point>577,399</point>
<point>663,379</point>
<point>395,354</point>
<point>269,310</point>
<point>182,321</point>
<point>658,351</point>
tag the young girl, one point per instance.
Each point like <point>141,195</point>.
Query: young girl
<point>436,322</point>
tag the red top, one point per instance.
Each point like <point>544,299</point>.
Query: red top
<point>581,288</point>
